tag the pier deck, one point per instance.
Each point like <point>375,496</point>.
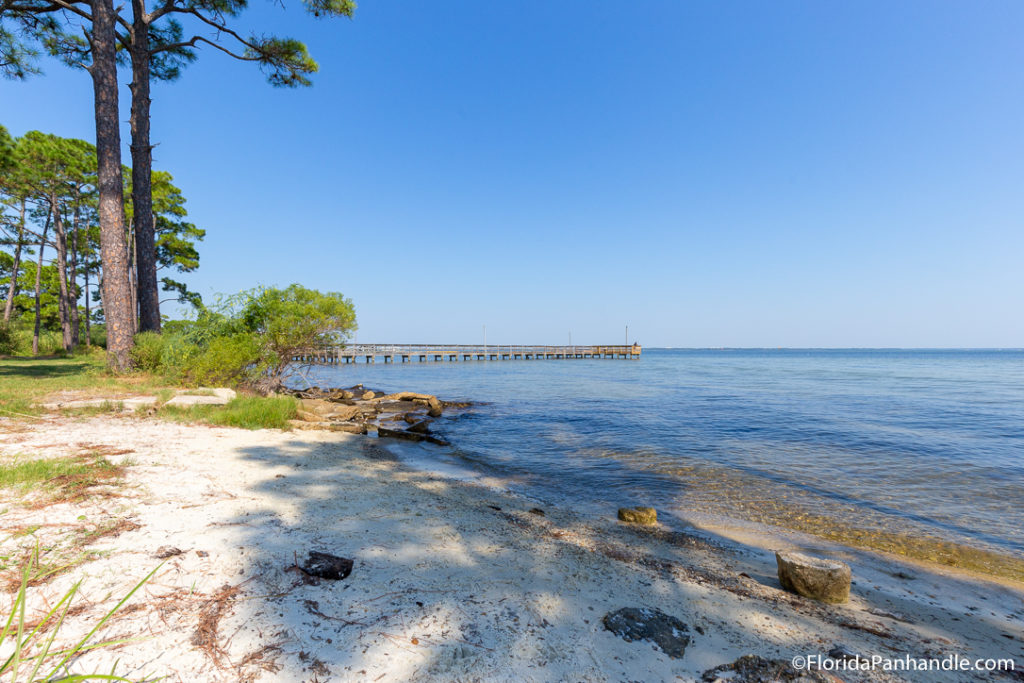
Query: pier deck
<point>423,353</point>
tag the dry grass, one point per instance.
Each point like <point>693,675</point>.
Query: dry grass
<point>207,636</point>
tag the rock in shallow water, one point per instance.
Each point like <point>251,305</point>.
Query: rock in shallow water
<point>643,623</point>
<point>639,515</point>
<point>814,577</point>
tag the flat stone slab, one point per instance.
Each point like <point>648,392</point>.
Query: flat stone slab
<point>129,403</point>
<point>183,401</point>
<point>202,396</point>
<point>645,623</point>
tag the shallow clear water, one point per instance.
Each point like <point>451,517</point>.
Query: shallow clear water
<point>920,442</point>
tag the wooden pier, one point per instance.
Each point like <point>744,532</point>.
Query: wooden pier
<point>424,353</point>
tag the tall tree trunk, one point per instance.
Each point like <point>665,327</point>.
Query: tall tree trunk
<point>88,312</point>
<point>142,173</point>
<point>73,277</point>
<point>61,244</point>
<point>12,291</point>
<point>113,247</point>
<point>39,287</point>
<point>133,272</point>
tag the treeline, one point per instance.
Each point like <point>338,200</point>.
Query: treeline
<point>50,242</point>
<point>155,43</point>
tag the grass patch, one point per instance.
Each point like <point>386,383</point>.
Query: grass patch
<point>25,382</point>
<point>63,479</point>
<point>247,412</point>
<point>31,472</point>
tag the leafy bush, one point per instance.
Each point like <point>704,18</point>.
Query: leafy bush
<point>147,354</point>
<point>231,360</point>
<point>251,338</point>
<point>8,340</point>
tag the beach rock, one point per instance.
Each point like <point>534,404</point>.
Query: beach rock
<point>327,566</point>
<point>643,623</point>
<point>399,434</point>
<point>165,551</point>
<point>346,395</point>
<point>436,440</point>
<point>813,577</point>
<point>342,412</point>
<point>755,669</point>
<point>348,427</point>
<point>317,406</point>
<point>306,416</point>
<point>638,515</point>
<point>367,395</point>
<point>434,407</point>
<point>412,418</point>
<point>421,427</point>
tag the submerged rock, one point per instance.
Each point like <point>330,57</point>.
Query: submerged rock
<point>814,577</point>
<point>755,669</point>
<point>642,623</point>
<point>638,515</point>
<point>421,427</point>
<point>399,434</point>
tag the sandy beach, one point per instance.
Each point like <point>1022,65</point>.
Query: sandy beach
<point>451,580</point>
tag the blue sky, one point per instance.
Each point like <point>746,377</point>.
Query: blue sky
<point>713,174</point>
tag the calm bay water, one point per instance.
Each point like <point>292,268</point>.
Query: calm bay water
<point>929,444</point>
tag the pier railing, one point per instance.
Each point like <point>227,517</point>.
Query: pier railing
<point>462,352</point>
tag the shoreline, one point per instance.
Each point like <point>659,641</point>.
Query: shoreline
<point>444,585</point>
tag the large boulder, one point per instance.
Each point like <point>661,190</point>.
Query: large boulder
<point>638,515</point>
<point>645,623</point>
<point>814,577</point>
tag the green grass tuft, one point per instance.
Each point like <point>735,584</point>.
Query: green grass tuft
<point>247,412</point>
<point>29,472</point>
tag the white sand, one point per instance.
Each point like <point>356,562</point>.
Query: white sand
<point>444,586</point>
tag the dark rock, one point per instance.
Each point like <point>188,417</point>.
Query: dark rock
<point>412,418</point>
<point>438,441</point>
<point>327,566</point>
<point>536,511</point>
<point>165,551</point>
<point>494,507</point>
<point>843,652</point>
<point>754,669</point>
<point>400,434</point>
<point>643,623</point>
<point>202,553</point>
<point>421,427</point>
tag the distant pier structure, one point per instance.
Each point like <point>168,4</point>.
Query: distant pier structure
<point>423,353</point>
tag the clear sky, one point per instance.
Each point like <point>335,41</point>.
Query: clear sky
<point>744,173</point>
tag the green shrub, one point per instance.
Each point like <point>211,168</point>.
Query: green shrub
<point>229,360</point>
<point>8,340</point>
<point>147,354</point>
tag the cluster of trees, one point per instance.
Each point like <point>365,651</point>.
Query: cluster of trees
<point>50,234</point>
<point>155,42</point>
